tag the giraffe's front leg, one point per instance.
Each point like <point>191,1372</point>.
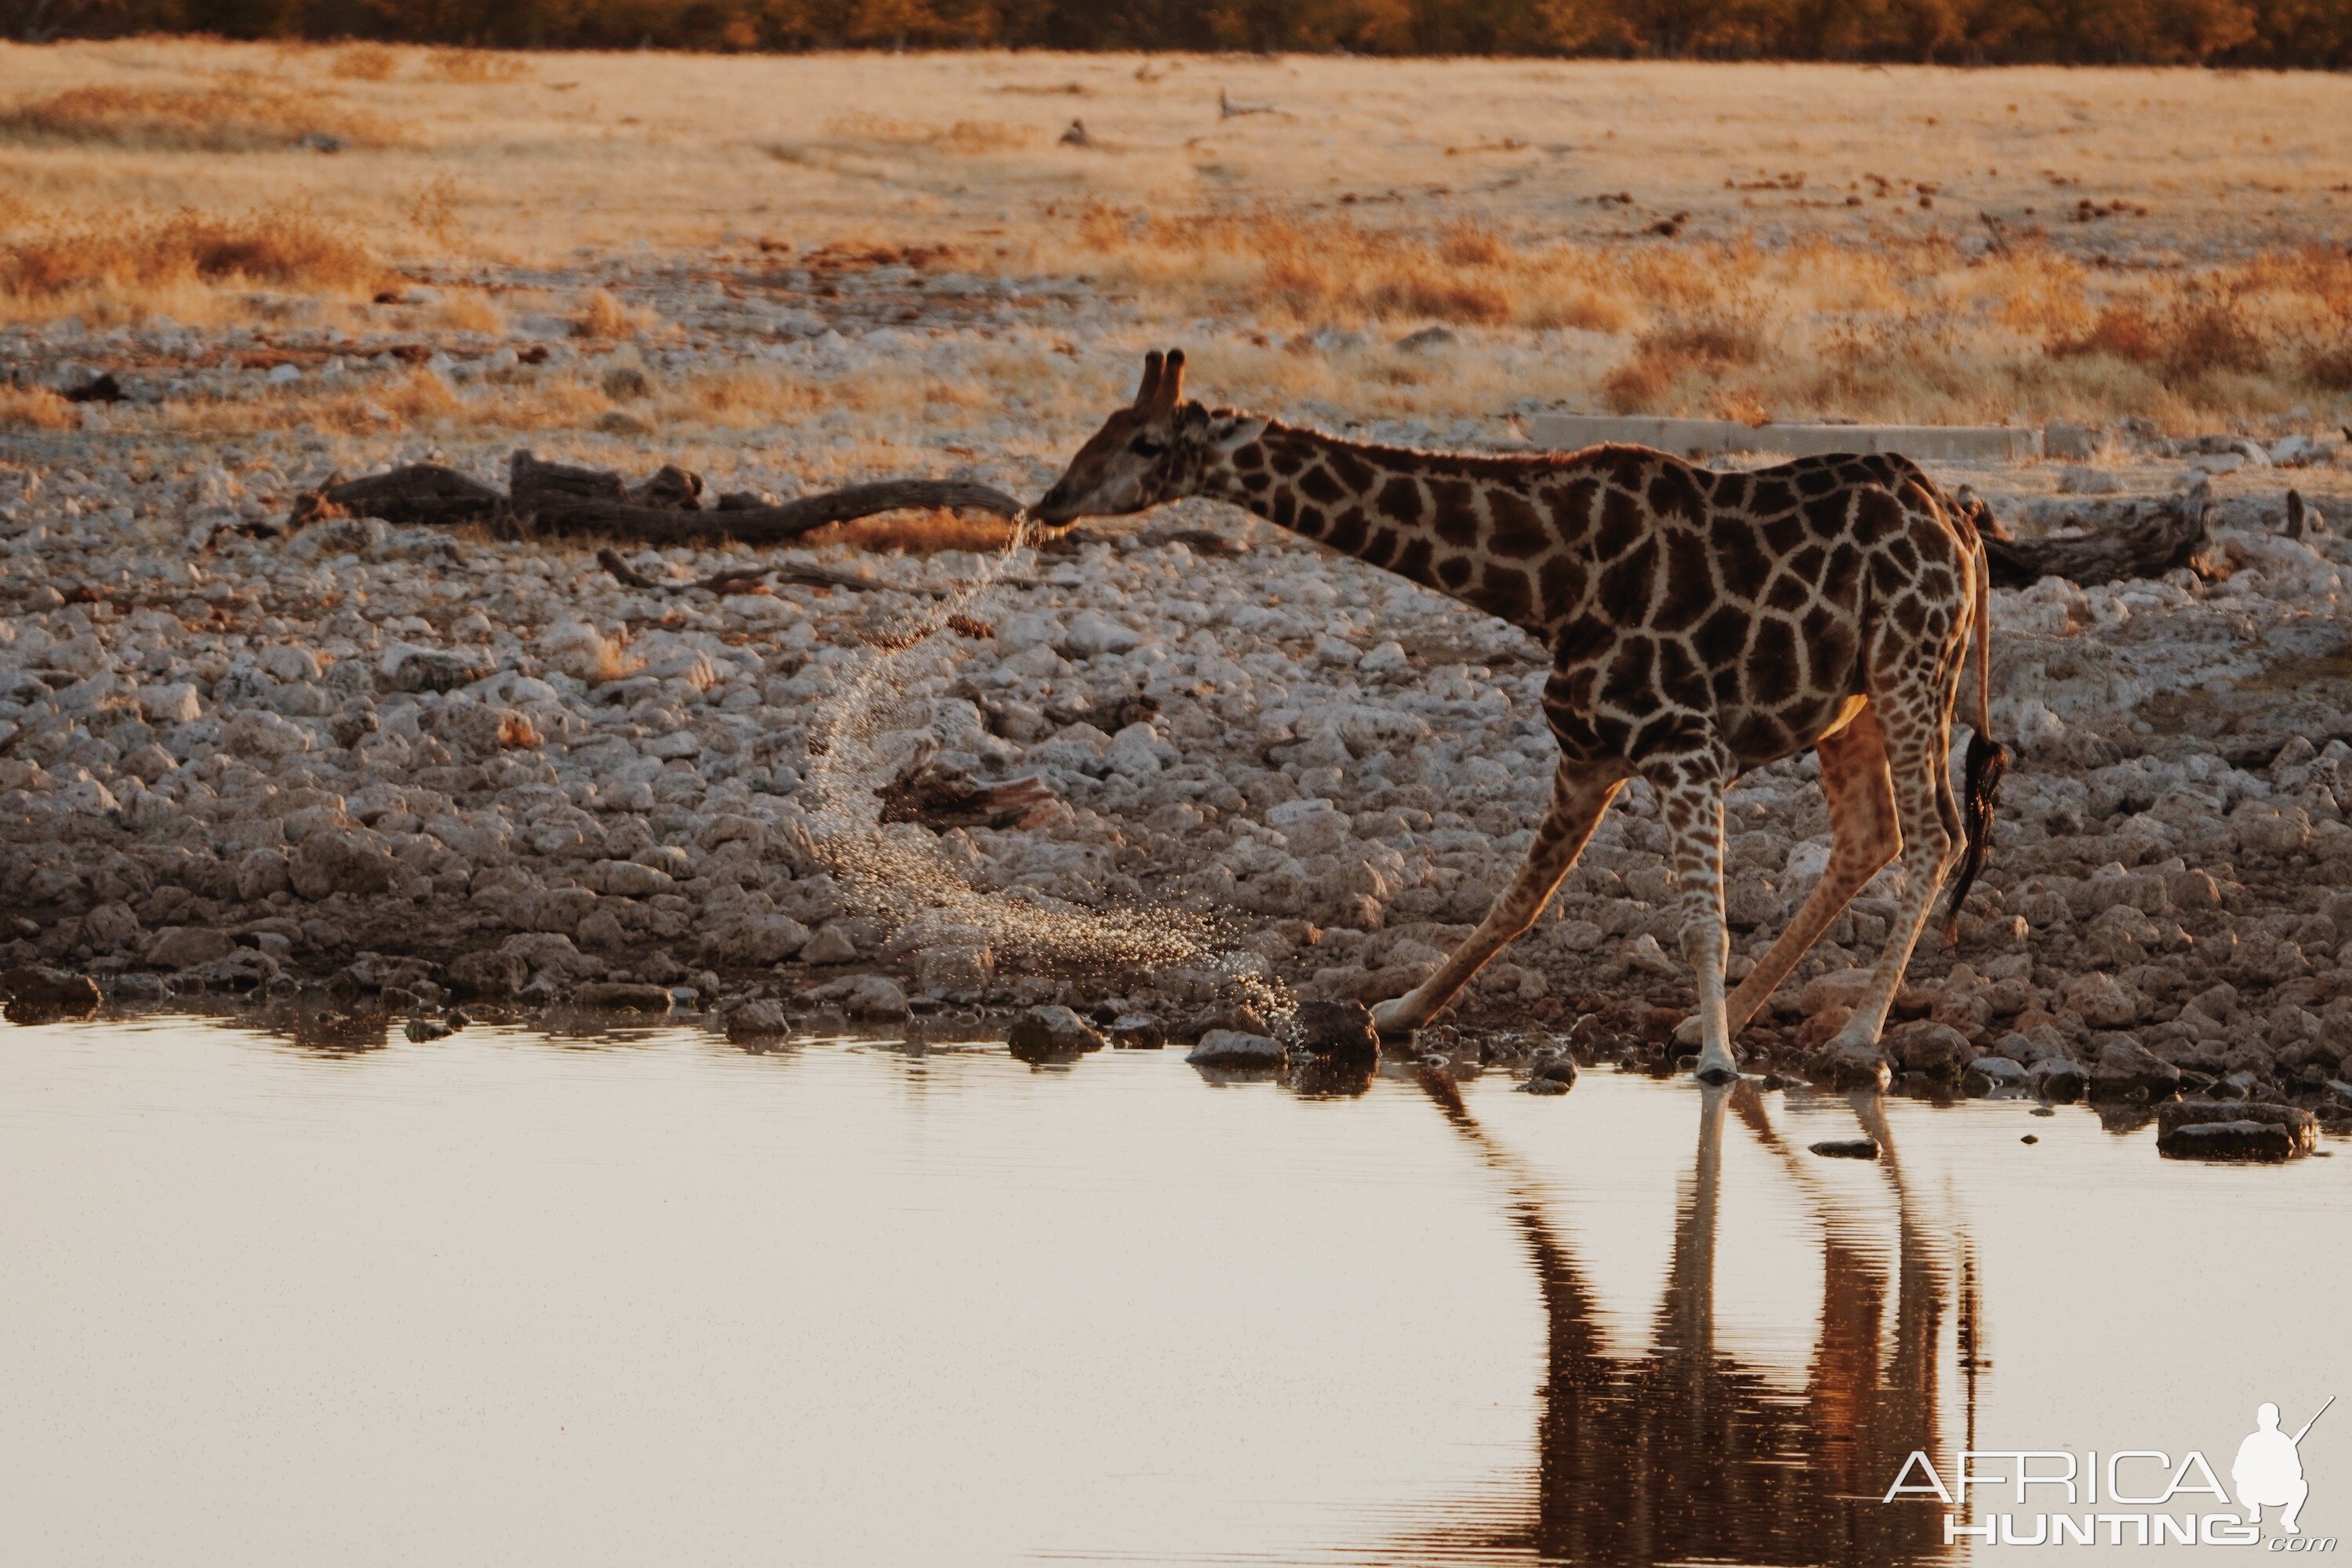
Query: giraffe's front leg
<point>1863,821</point>
<point>1690,799</point>
<point>1580,792</point>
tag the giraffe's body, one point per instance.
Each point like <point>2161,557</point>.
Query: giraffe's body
<point>1699,624</point>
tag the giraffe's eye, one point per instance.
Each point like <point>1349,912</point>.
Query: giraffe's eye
<point>1145,447</point>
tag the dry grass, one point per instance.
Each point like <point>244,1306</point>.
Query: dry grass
<point>2330,368</point>
<point>1294,271</point>
<point>232,116</point>
<point>364,62</point>
<point>916,533</point>
<point>1667,356</point>
<point>417,401</point>
<point>114,270</point>
<point>474,68</point>
<point>969,137</point>
<point>1553,252</point>
<point>468,311</point>
<point>1913,328</point>
<point>603,317</point>
<point>35,409</point>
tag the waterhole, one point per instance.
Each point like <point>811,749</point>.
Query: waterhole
<point>647,1297</point>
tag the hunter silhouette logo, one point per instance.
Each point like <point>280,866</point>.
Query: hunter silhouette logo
<point>2131,1496</point>
<point>2269,1471</point>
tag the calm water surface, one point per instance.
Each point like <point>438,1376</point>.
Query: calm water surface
<point>504,1299</point>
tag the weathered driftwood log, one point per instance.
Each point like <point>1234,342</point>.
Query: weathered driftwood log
<point>533,485</point>
<point>421,492</point>
<point>2152,538</point>
<point>667,509</point>
<point>551,499</point>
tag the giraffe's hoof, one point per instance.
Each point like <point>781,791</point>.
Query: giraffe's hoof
<point>1395,1022</point>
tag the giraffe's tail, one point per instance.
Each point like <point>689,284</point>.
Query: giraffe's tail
<point>1988,759</point>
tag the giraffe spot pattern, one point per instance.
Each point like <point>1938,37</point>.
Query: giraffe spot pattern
<point>1690,614</point>
<point>1317,484</point>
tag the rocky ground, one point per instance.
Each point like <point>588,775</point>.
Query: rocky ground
<point>353,768</point>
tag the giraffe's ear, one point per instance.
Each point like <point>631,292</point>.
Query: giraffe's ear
<point>1171,390</point>
<point>1149,392</point>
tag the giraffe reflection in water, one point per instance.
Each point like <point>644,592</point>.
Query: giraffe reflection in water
<point>1681,1452</point>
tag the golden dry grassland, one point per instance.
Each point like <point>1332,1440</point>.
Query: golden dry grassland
<point>1755,241</point>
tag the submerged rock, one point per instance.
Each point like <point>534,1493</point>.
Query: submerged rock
<point>1847,1148</point>
<point>2058,1078</point>
<point>1843,1065</point>
<point>1341,1030</point>
<point>2185,1128</point>
<point>1045,1034</point>
<point>1553,1071</point>
<point>1924,1047</point>
<point>760,1019</point>
<point>38,985</point>
<point>1136,1032</point>
<point>624,996</point>
<point>2261,1142</point>
<point>1232,1049</point>
<point>1989,1073</point>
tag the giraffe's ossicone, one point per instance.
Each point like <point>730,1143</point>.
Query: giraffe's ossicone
<point>1699,623</point>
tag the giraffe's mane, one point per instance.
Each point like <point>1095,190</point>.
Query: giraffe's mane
<point>1441,457</point>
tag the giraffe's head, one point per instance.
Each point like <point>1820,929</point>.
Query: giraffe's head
<point>1137,460</point>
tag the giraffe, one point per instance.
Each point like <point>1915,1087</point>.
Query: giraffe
<point>1699,624</point>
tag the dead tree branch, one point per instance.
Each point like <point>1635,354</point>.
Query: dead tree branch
<point>2150,538</point>
<point>550,498</point>
<point>741,579</point>
<point>664,510</point>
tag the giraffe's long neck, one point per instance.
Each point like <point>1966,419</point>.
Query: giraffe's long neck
<point>1469,526</point>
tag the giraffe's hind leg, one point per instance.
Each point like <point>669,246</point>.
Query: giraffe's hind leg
<point>1914,699</point>
<point>1864,839</point>
<point>1580,792</point>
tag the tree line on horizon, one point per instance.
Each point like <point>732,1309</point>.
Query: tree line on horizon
<point>2272,34</point>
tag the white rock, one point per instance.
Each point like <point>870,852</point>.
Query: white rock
<point>627,880</point>
<point>1092,633</point>
<point>88,798</point>
<point>1028,629</point>
<point>1645,955</point>
<point>284,661</point>
<point>831,944</point>
<point>1806,863</point>
<point>580,651</point>
<point>1309,827</point>
<point>258,732</point>
<point>2075,480</point>
<point>1334,650</point>
<point>1134,752</point>
<point>1581,936</point>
